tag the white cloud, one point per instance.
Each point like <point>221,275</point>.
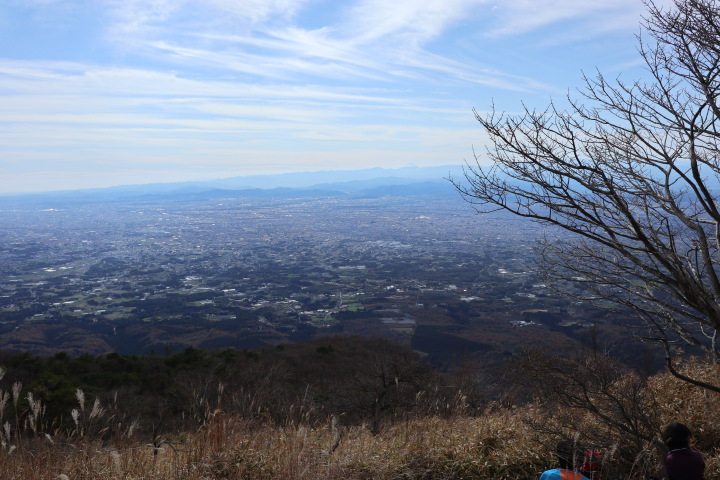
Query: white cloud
<point>135,17</point>
<point>372,40</point>
<point>135,21</point>
<point>410,22</point>
<point>237,84</point>
<point>256,11</point>
<point>591,17</point>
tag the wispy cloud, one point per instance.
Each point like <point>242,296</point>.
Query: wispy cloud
<point>407,23</point>
<point>370,39</point>
<point>240,84</point>
<point>521,16</point>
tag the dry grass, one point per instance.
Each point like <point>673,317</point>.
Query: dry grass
<point>497,445</point>
<point>493,446</point>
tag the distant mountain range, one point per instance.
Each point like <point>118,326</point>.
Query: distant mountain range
<point>369,182</point>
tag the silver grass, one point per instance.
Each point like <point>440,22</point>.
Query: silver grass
<point>80,395</point>
<point>132,428</point>
<point>16,390</point>
<point>96,411</point>
<point>4,397</point>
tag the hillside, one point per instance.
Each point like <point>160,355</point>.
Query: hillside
<point>279,414</point>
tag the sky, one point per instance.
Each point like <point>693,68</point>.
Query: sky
<point>95,93</point>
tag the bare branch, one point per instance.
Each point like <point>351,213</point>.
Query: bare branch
<point>631,172</point>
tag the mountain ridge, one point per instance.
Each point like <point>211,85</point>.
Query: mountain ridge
<point>373,181</point>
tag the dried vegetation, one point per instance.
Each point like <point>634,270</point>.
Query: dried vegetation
<point>504,441</point>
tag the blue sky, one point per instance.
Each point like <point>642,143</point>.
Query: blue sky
<point>106,92</point>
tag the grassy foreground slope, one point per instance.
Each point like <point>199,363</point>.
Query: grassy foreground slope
<point>433,437</point>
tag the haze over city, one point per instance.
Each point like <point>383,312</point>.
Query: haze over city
<point>104,92</point>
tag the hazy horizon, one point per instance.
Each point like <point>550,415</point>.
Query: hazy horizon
<point>266,179</point>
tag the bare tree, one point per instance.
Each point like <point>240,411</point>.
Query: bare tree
<point>596,384</point>
<point>618,403</point>
<point>631,171</point>
<point>392,384</point>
